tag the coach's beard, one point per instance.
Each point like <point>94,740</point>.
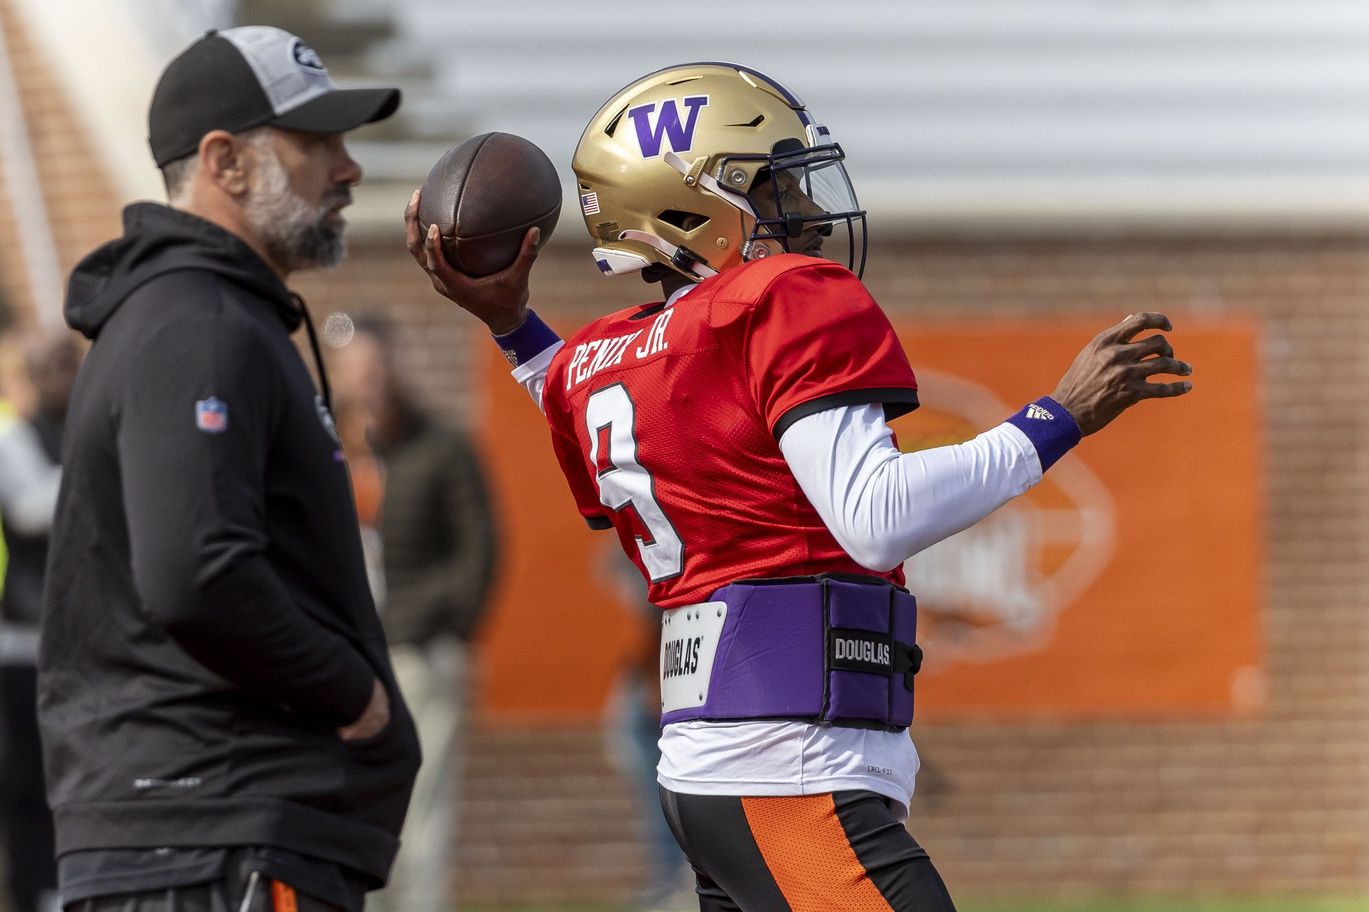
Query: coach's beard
<point>295,234</point>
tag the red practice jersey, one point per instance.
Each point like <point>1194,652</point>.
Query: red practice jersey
<point>666,420</point>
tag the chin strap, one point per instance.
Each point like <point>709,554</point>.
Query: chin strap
<point>681,258</point>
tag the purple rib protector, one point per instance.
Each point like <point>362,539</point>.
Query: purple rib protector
<point>905,633</point>
<point>773,664</point>
<point>769,666</point>
<point>859,694</point>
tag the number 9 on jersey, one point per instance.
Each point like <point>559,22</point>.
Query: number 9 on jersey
<point>625,486</point>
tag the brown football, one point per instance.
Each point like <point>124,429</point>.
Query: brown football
<point>484,194</point>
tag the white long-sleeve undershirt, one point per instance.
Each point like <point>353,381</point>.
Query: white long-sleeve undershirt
<point>884,506</point>
<point>532,375</point>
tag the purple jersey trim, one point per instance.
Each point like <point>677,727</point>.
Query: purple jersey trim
<point>527,341</point>
<point>1050,428</point>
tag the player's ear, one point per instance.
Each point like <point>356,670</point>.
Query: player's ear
<point>224,161</point>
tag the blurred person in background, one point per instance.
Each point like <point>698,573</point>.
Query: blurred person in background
<point>221,725</point>
<point>437,547</point>
<point>16,391</point>
<point>632,726</point>
<point>30,474</point>
<point>368,485</point>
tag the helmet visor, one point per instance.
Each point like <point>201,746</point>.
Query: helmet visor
<point>805,203</point>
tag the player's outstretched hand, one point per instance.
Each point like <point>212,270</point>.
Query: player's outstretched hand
<point>1113,372</point>
<point>499,300</point>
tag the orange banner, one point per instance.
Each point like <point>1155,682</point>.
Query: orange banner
<point>1125,585</point>
<point>563,623</point>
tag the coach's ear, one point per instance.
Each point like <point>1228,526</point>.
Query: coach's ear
<point>225,162</point>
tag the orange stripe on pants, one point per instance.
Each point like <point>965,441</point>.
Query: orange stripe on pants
<point>283,897</point>
<point>808,854</point>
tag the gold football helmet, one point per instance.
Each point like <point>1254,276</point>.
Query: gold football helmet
<point>703,166</point>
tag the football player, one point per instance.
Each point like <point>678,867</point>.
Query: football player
<point>733,433</point>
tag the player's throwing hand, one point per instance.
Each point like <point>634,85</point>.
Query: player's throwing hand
<point>499,300</point>
<point>1112,373</point>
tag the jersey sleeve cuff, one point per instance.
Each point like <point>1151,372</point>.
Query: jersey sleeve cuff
<point>895,400</point>
<point>1049,427</point>
<point>527,341</point>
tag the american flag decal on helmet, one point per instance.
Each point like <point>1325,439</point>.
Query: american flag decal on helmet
<point>589,203</point>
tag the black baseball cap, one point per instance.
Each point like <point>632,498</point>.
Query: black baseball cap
<point>245,77</point>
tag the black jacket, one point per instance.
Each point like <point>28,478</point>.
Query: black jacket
<point>207,623</point>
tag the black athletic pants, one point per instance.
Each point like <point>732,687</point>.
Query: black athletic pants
<point>835,852</point>
<point>251,892</point>
<point>23,802</point>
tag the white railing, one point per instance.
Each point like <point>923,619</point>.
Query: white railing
<point>170,25</point>
<point>956,109</point>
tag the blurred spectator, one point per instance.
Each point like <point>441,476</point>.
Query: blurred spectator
<point>30,457</point>
<point>368,486</point>
<point>437,552</point>
<point>632,725</point>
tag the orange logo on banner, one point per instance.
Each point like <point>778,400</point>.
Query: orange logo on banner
<point>1126,584</point>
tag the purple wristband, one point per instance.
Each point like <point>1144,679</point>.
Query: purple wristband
<point>527,341</point>
<point>1050,428</point>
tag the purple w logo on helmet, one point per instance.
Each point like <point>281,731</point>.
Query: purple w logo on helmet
<point>667,125</point>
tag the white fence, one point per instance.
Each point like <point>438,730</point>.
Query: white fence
<point>978,109</point>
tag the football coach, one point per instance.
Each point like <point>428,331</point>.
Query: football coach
<point>221,726</point>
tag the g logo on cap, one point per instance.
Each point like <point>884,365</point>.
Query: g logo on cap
<point>306,56</point>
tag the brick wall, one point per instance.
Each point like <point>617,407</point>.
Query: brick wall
<point>1280,803</point>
